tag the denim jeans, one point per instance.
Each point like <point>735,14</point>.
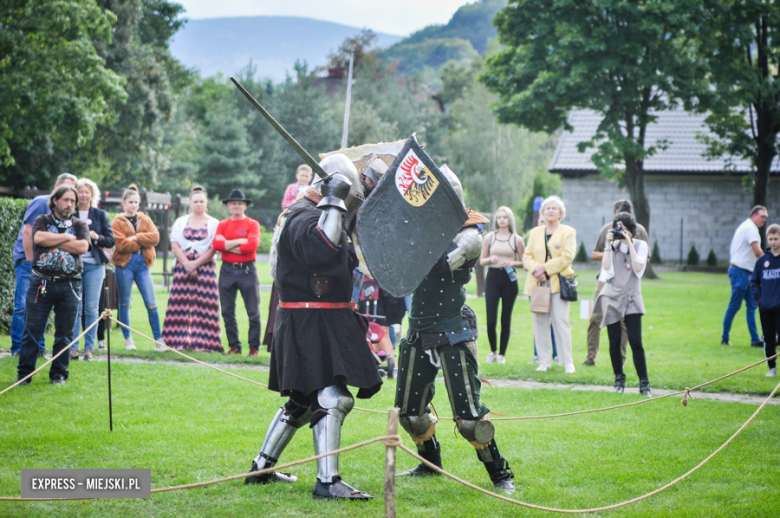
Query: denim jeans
<point>92,285</point>
<point>23,270</point>
<point>740,290</point>
<point>137,271</point>
<point>63,298</point>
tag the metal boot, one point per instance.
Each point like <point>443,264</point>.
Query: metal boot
<point>501,475</point>
<point>278,436</point>
<point>430,451</point>
<point>620,383</point>
<point>335,403</point>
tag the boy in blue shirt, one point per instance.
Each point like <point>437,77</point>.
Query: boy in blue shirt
<point>765,286</point>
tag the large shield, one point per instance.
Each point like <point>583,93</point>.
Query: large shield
<point>409,220</point>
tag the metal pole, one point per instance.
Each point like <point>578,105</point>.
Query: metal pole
<point>108,348</point>
<point>345,130</point>
<point>392,429</point>
<point>681,242</point>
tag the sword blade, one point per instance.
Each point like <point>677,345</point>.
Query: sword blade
<point>315,166</point>
<point>345,130</point>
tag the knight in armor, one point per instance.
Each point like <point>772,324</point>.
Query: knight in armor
<point>319,342</point>
<point>442,334</point>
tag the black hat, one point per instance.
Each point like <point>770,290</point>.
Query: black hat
<point>237,195</point>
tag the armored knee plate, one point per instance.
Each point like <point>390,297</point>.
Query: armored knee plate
<point>337,401</point>
<point>420,428</point>
<point>479,433</point>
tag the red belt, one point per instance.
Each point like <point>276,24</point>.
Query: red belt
<point>319,305</point>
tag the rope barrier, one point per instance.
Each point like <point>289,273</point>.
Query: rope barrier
<point>387,440</point>
<point>607,507</point>
<point>105,314</point>
<point>223,371</point>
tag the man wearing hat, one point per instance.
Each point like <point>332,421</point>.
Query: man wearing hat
<point>237,238</point>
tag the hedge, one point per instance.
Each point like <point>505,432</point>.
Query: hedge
<point>11,215</point>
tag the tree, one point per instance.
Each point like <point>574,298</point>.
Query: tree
<point>227,160</point>
<point>54,86</point>
<point>360,46</point>
<point>741,41</point>
<point>130,146</point>
<point>624,60</point>
<point>496,162</point>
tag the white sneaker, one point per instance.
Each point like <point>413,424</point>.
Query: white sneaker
<point>500,359</point>
<point>129,344</point>
<point>158,347</point>
<point>568,368</point>
<point>542,368</point>
<point>557,361</point>
<point>101,344</point>
<point>772,373</point>
<point>491,358</point>
<point>534,361</point>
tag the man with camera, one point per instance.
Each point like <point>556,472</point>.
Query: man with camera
<point>59,240</point>
<point>594,325</point>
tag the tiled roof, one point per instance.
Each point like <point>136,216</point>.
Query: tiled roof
<point>678,127</point>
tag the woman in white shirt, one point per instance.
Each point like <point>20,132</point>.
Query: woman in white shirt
<point>192,318</point>
<point>623,265</point>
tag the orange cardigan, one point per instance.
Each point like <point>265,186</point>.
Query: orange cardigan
<point>147,238</point>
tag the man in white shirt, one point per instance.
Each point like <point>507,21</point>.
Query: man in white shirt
<point>745,250</point>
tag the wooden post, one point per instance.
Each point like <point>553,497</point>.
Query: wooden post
<point>392,429</point>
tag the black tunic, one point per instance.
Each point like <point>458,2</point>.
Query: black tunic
<point>315,348</point>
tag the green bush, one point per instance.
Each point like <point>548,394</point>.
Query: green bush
<point>655,256</point>
<point>266,236</point>
<point>582,255</point>
<point>11,215</point>
<point>693,256</point>
<point>712,259</point>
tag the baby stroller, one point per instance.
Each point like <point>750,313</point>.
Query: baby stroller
<point>368,294</point>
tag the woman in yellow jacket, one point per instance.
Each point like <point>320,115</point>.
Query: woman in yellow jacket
<point>550,251</point>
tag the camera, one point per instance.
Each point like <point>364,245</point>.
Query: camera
<point>617,231</point>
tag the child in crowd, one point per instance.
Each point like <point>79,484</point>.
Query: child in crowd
<point>765,286</point>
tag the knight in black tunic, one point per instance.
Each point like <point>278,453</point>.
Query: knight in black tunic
<point>319,343</point>
<point>442,334</point>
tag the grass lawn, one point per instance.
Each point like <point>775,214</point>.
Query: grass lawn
<point>190,424</point>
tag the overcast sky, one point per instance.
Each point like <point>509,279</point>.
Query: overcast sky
<point>391,16</point>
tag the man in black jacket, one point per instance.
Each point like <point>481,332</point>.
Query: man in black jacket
<point>59,240</point>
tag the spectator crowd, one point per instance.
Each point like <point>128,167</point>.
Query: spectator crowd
<point>69,255</point>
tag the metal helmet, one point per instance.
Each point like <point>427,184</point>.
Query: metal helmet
<point>339,163</point>
<point>454,181</point>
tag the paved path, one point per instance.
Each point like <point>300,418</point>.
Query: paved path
<point>727,397</point>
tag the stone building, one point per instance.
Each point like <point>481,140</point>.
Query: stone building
<point>693,200</point>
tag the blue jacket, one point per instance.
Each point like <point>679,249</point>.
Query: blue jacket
<point>765,284</point>
<point>98,221</point>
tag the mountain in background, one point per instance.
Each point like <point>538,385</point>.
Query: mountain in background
<point>461,39</point>
<point>273,43</point>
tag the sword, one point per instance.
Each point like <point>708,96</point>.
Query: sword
<point>315,166</point>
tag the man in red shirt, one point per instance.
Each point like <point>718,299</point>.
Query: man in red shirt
<point>237,238</point>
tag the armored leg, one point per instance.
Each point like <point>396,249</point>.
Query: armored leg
<point>280,432</point>
<point>463,385</point>
<point>414,392</point>
<point>332,406</point>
